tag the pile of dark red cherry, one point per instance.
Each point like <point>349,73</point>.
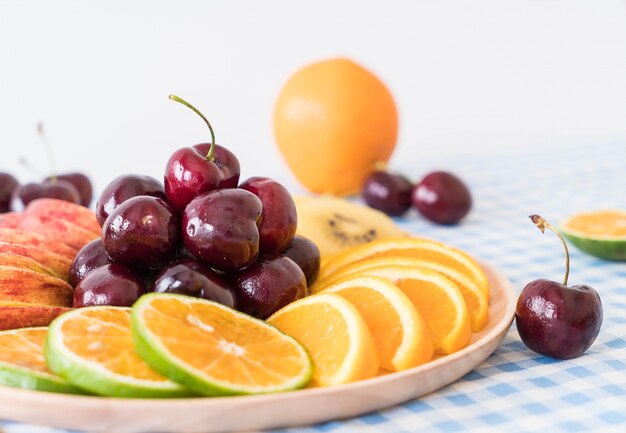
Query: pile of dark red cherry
<point>200,234</point>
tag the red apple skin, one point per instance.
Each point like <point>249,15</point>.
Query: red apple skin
<point>72,212</point>
<point>27,316</point>
<point>10,220</point>
<point>558,321</point>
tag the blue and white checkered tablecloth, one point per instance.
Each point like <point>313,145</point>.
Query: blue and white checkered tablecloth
<point>516,390</point>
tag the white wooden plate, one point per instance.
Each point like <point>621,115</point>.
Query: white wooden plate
<point>287,409</point>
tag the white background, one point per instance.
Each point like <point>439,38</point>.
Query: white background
<point>468,76</point>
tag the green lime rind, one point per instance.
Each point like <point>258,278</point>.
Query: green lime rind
<point>26,378</point>
<point>609,248</point>
<point>162,360</point>
<point>94,378</point>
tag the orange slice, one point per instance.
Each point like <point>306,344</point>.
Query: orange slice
<point>215,350</point>
<point>93,349</point>
<point>418,248</point>
<point>22,364</point>
<point>437,299</point>
<point>401,336</point>
<point>477,302</point>
<point>336,336</point>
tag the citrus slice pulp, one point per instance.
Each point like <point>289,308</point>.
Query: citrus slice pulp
<point>476,301</point>
<point>437,299</point>
<point>215,350</point>
<point>93,348</point>
<point>601,233</point>
<point>401,335</point>
<point>410,247</point>
<point>336,336</point>
<point>22,363</point>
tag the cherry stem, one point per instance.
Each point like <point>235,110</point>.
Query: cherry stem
<point>26,164</point>
<point>210,156</point>
<point>542,224</point>
<point>48,147</point>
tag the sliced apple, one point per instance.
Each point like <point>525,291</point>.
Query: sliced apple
<point>74,213</point>
<point>58,230</point>
<point>10,219</point>
<point>58,263</point>
<point>23,262</point>
<point>23,285</point>
<point>15,315</point>
<point>22,237</point>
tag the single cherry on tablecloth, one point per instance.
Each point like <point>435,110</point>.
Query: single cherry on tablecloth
<point>556,320</point>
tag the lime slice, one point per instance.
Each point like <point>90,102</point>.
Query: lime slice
<point>215,350</point>
<point>601,233</point>
<point>22,364</point>
<point>93,349</point>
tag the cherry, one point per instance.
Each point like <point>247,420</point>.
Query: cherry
<point>192,171</point>
<point>306,255</point>
<point>51,187</point>
<point>220,228</point>
<point>192,278</point>
<point>143,231</point>
<point>124,187</point>
<point>82,184</point>
<point>148,276</point>
<point>442,198</point>
<point>278,220</point>
<point>556,320</point>
<point>390,193</point>
<point>7,185</point>
<point>267,286</point>
<point>59,189</point>
<point>89,258</point>
<point>112,284</point>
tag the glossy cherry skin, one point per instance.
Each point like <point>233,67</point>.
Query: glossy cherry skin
<point>278,220</point>
<point>442,198</point>
<point>143,231</point>
<point>82,184</point>
<point>192,278</point>
<point>387,192</point>
<point>267,286</point>
<point>112,284</point>
<point>306,255</point>
<point>558,321</point>
<point>7,185</point>
<point>189,174</point>
<point>59,189</point>
<point>124,187</point>
<point>220,228</point>
<point>89,258</point>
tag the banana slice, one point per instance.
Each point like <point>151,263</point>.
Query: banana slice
<point>334,224</point>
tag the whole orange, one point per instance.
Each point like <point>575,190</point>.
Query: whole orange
<point>334,122</point>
